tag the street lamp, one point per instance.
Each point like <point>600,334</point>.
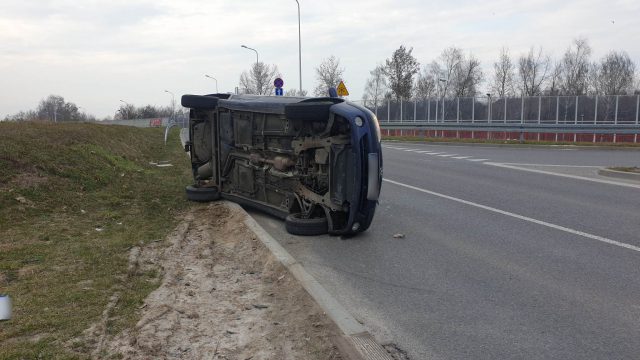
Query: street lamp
<point>299,48</point>
<point>489,109</point>
<point>122,101</point>
<point>173,104</point>
<point>246,47</point>
<point>211,77</point>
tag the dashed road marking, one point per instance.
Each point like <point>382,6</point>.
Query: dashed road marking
<point>445,155</point>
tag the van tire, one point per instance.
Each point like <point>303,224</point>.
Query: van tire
<point>199,102</point>
<point>202,194</point>
<point>297,225</point>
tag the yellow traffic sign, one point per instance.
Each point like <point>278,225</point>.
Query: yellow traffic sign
<point>342,90</point>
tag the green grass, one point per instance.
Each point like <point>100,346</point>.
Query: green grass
<point>508,142</point>
<point>58,184</point>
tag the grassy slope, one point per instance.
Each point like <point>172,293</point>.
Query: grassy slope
<point>58,183</point>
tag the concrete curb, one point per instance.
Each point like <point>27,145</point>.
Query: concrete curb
<point>619,174</point>
<point>357,343</point>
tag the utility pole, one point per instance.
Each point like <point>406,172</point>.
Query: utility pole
<point>299,49</point>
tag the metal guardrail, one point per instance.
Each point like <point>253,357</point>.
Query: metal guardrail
<point>517,127</point>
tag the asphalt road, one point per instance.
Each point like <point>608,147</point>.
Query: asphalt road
<point>537,260</point>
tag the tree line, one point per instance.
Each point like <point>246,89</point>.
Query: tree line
<point>456,73</point>
<point>54,108</point>
<point>534,73</point>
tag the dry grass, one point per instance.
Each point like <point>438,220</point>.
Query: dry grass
<point>74,198</point>
<point>627,169</point>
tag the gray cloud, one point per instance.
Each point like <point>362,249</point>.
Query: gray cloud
<point>96,52</point>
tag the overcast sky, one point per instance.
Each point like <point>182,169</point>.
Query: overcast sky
<point>95,52</point>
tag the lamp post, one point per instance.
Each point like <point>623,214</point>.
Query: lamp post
<point>126,103</point>
<point>489,107</point>
<point>211,77</point>
<point>173,104</point>
<point>299,49</point>
<point>246,47</point>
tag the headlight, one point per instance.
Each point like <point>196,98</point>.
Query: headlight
<point>359,121</point>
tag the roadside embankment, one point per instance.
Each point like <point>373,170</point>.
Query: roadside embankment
<point>103,256</point>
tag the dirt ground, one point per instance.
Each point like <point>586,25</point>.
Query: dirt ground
<point>222,296</point>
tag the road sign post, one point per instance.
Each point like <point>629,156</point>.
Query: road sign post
<point>279,83</point>
<point>342,89</point>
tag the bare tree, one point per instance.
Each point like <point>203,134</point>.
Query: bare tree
<point>259,79</point>
<point>425,84</point>
<point>575,68</point>
<point>555,77</point>
<point>328,73</point>
<point>376,86</point>
<point>594,79</point>
<point>400,70</point>
<point>463,74</point>
<point>466,77</point>
<point>533,70</point>
<point>446,67</point>
<point>503,75</point>
<point>615,74</point>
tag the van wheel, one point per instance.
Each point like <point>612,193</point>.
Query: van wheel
<point>202,194</point>
<point>308,111</point>
<point>199,102</point>
<point>297,225</point>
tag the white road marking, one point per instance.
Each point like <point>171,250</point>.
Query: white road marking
<point>447,155</point>
<point>424,152</point>
<point>411,150</point>
<point>477,159</point>
<point>574,166</point>
<point>433,153</point>
<point>602,181</point>
<point>461,157</point>
<point>521,217</point>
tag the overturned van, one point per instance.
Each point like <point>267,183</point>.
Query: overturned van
<point>315,162</point>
